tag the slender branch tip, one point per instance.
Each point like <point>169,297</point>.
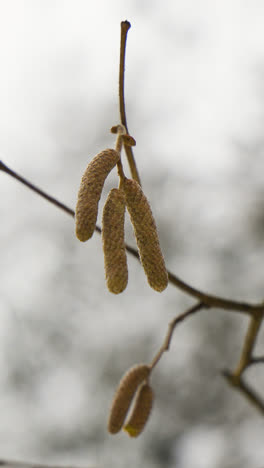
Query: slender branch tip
<point>125,25</point>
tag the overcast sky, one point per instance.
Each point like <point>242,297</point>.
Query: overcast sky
<point>191,74</point>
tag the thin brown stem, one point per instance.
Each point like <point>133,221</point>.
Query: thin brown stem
<point>17,464</point>
<point>166,344</point>
<point>256,360</point>
<point>215,301</point>
<point>207,299</point>
<point>125,25</point>
<point>235,378</point>
<point>35,189</point>
<point>249,343</point>
<point>118,147</point>
<point>245,389</point>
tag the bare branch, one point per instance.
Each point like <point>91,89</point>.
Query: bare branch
<point>240,385</point>
<point>207,299</point>
<point>166,344</point>
<point>235,378</point>
<point>256,360</point>
<point>125,25</point>
<point>18,464</point>
<point>249,343</point>
<point>36,189</point>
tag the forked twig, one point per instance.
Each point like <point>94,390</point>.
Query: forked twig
<point>245,389</point>
<point>249,343</point>
<point>166,344</point>
<point>235,378</point>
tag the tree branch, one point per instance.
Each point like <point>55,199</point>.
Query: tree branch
<point>245,389</point>
<point>207,299</point>
<point>249,343</point>
<point>125,25</point>
<point>235,378</point>
<point>18,464</point>
<point>35,189</point>
<point>166,344</point>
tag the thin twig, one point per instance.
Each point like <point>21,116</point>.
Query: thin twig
<point>256,360</point>
<point>249,343</point>
<point>235,378</point>
<point>18,464</point>
<point>166,344</point>
<point>36,189</point>
<point>215,301</point>
<point>207,299</point>
<point>118,147</point>
<point>245,389</point>
<point>125,25</point>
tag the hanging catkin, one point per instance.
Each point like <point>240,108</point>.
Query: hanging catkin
<point>90,192</point>
<point>140,411</point>
<point>113,241</point>
<point>146,235</point>
<point>124,395</point>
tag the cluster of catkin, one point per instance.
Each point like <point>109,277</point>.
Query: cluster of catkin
<point>133,386</point>
<point>129,195</point>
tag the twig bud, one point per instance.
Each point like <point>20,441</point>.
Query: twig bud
<point>124,395</point>
<point>146,235</point>
<point>90,192</point>
<point>141,410</point>
<point>128,140</point>
<point>113,241</point>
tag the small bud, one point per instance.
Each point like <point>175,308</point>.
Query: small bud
<point>114,129</point>
<point>124,395</point>
<point>129,140</point>
<point>146,235</point>
<point>141,411</point>
<point>90,192</point>
<point>114,241</point>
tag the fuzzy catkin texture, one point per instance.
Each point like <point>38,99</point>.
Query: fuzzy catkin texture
<point>146,235</point>
<point>113,237</point>
<point>140,411</point>
<point>124,395</point>
<point>90,192</point>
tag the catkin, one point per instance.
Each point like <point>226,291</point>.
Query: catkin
<point>146,235</point>
<point>90,192</point>
<point>124,395</point>
<point>141,410</point>
<point>113,241</point>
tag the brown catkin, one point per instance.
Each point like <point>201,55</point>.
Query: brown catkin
<point>90,192</point>
<point>140,411</point>
<point>146,235</point>
<point>124,395</point>
<point>114,241</point>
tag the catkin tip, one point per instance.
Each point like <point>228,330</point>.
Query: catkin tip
<point>140,411</point>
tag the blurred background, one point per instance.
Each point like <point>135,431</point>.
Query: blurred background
<point>195,105</point>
